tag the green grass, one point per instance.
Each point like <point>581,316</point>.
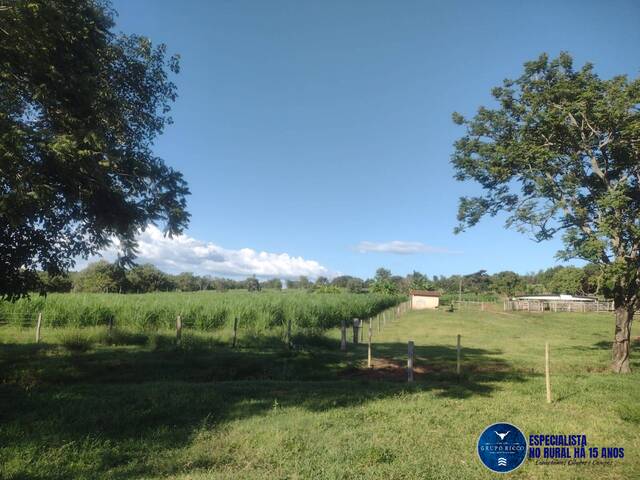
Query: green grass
<point>258,311</point>
<point>201,410</point>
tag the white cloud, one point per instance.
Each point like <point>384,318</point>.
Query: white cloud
<point>186,254</point>
<point>400,247</point>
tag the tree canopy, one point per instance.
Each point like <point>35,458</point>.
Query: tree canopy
<point>560,153</point>
<point>80,107</point>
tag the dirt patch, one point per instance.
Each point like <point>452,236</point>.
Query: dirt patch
<point>395,370</point>
<point>388,369</point>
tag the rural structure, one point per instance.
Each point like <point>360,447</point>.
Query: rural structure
<point>424,299</point>
<point>558,303</point>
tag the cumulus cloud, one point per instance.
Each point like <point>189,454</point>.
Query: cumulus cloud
<point>399,247</point>
<point>186,254</point>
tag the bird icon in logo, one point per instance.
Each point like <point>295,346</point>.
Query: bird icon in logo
<point>502,435</point>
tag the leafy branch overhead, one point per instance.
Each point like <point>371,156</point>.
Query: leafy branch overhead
<point>561,153</point>
<point>80,107</point>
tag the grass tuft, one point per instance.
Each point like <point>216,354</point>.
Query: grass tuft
<point>122,337</point>
<point>76,342</point>
<point>629,413</point>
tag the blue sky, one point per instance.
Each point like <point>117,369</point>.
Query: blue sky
<point>307,128</point>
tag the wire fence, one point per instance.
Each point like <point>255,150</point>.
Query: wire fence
<point>558,306</point>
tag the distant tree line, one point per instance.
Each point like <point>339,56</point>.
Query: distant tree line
<point>103,276</point>
<point>585,280</point>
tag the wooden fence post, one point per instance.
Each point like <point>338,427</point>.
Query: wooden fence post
<point>235,332</point>
<point>361,330</point>
<point>178,329</point>
<point>343,336</point>
<point>379,327</point>
<point>410,361</point>
<point>458,357</point>
<point>38,327</point>
<point>110,328</point>
<point>356,324</point>
<point>546,371</point>
<point>369,362</point>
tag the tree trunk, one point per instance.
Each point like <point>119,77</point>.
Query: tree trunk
<point>622,338</point>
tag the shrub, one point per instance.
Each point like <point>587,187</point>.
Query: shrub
<point>159,341</point>
<point>122,337</point>
<point>76,342</point>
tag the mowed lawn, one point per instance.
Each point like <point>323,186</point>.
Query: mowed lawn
<point>206,411</point>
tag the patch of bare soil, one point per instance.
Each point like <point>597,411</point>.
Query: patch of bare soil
<point>382,369</point>
<point>395,370</point>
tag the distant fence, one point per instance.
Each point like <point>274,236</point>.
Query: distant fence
<point>474,305</point>
<point>557,306</point>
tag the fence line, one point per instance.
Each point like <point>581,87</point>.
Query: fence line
<point>473,304</point>
<point>557,306</point>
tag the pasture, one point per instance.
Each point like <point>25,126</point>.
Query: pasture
<point>142,407</point>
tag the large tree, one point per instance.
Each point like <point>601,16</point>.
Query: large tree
<point>560,152</point>
<point>80,107</point>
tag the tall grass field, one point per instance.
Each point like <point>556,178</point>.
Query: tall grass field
<point>260,311</point>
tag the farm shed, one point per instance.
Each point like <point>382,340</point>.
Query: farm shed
<point>422,299</point>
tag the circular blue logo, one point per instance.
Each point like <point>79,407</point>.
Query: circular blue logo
<point>502,447</point>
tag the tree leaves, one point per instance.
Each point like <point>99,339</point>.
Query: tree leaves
<point>560,152</point>
<point>80,108</point>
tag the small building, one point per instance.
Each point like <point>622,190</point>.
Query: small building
<point>558,303</point>
<point>423,299</point>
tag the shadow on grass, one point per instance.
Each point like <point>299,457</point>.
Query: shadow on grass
<point>158,400</point>
<point>602,345</point>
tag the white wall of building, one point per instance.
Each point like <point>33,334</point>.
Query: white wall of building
<point>420,303</point>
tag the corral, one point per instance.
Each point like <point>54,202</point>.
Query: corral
<point>558,303</point>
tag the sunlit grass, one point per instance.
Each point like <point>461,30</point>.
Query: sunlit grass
<point>156,409</point>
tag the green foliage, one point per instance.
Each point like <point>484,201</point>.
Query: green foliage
<point>120,336</point>
<point>187,282</point>
<point>506,283</point>
<point>327,289</point>
<point>567,280</point>
<point>629,412</point>
<point>76,341</point>
<point>560,154</point>
<point>252,284</point>
<point>159,342</point>
<point>80,107</point>
<point>355,285</point>
<point>418,281</point>
<point>55,283</point>
<point>148,278</point>
<point>262,311</point>
<point>449,298</point>
<point>384,286</point>
<point>274,284</point>
<point>382,274</point>
<point>100,276</point>
<point>302,283</point>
